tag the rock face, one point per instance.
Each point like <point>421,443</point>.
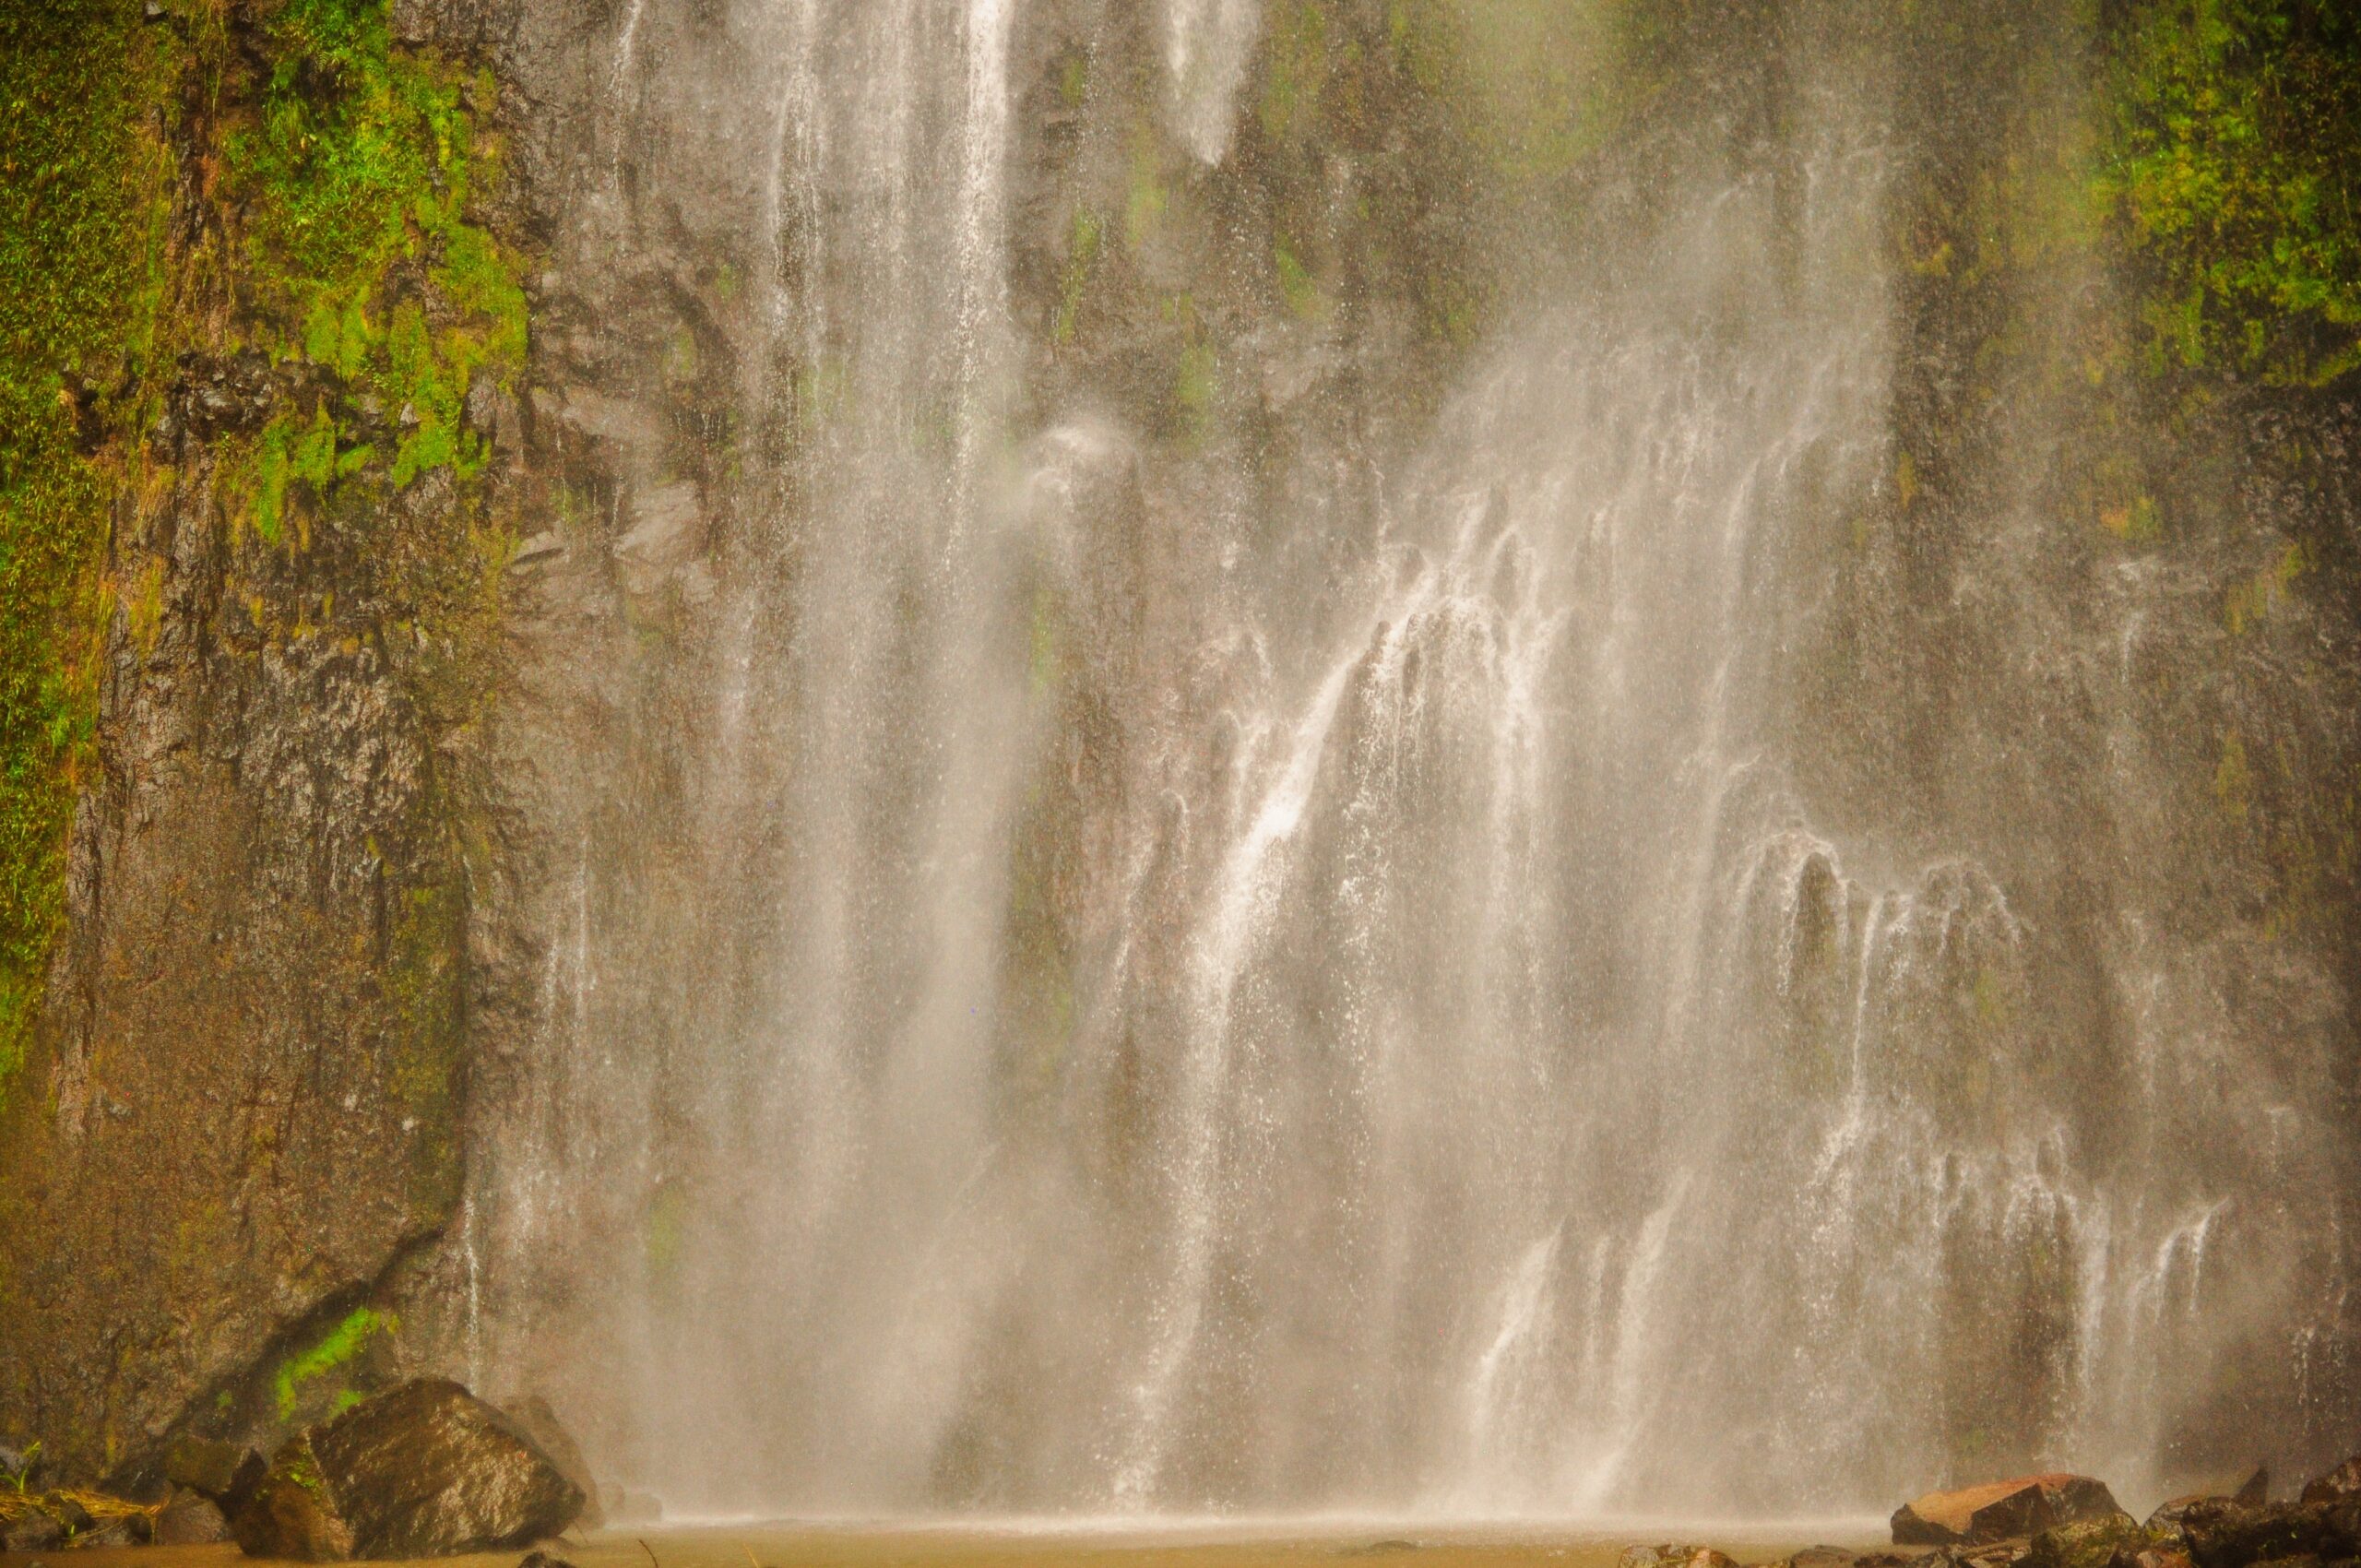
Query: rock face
<point>2000,1509</point>
<point>425,1471</point>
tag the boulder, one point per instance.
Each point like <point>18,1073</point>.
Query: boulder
<point>2024,1506</point>
<point>27,1525</point>
<point>2223,1533</point>
<point>2087,1543</point>
<point>190,1518</point>
<point>2343,1481</point>
<point>1674,1557</point>
<point>427,1469</point>
<point>291,1513</point>
<point>224,1471</point>
<point>539,1423</point>
<point>2257,1490</point>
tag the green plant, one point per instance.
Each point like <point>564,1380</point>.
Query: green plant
<point>2233,137</point>
<point>343,1342</point>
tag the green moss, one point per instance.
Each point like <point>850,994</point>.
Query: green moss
<point>82,198</point>
<point>2234,142</point>
<point>361,162</point>
<point>343,1342</point>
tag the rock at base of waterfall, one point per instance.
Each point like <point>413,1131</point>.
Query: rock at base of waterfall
<point>2087,1543</point>
<point>190,1518</point>
<point>292,1513</point>
<point>226,1472</point>
<point>1674,1557</point>
<point>2023,1507</point>
<point>2342,1482</point>
<point>427,1469</point>
<point>538,1421</point>
<point>2223,1533</point>
<point>1824,1557</point>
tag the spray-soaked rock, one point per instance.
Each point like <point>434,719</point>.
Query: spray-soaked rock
<point>190,1518</point>
<point>2343,1481</point>
<point>1675,1557</point>
<point>224,1471</point>
<point>540,1423</point>
<point>292,1512</point>
<point>2223,1533</point>
<point>2087,1543</point>
<point>1994,1512</point>
<point>423,1470</point>
<point>428,1470</point>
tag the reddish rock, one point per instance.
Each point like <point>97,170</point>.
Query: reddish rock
<point>2023,1507</point>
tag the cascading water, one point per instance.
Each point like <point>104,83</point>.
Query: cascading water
<point>1483,1075</point>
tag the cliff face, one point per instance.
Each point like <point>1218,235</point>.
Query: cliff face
<point>406,406</point>
<point>292,475</point>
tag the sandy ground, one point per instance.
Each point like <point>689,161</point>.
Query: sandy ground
<point>1338,1544</point>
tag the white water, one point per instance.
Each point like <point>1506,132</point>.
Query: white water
<point>1480,1085</point>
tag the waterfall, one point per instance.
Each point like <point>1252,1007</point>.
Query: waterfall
<point>1169,988</point>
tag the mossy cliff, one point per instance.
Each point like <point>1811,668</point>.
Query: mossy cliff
<point>261,344</point>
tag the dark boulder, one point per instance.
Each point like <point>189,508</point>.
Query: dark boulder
<point>427,1469</point>
<point>2023,1507</point>
<point>190,1518</point>
<point>544,1559</point>
<point>2342,1482</point>
<point>2223,1533</point>
<point>2257,1490</point>
<point>292,1512</point>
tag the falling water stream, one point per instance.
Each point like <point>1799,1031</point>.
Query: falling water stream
<point>1491,1081</point>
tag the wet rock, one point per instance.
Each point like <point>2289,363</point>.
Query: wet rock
<point>190,1518</point>
<point>292,1513</point>
<point>2257,1490</point>
<point>1674,1557</point>
<point>224,1471</point>
<point>1824,1557</point>
<point>2087,1543</point>
<point>667,533</point>
<point>2222,1533</point>
<point>2023,1507</point>
<point>540,1423</point>
<point>428,1470</point>
<point>549,543</point>
<point>27,1525</point>
<point>2343,1481</point>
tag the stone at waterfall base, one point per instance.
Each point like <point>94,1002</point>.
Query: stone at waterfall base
<point>425,1469</point>
<point>1979,1514</point>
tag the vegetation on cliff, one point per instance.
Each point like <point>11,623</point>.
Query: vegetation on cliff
<point>83,192</point>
